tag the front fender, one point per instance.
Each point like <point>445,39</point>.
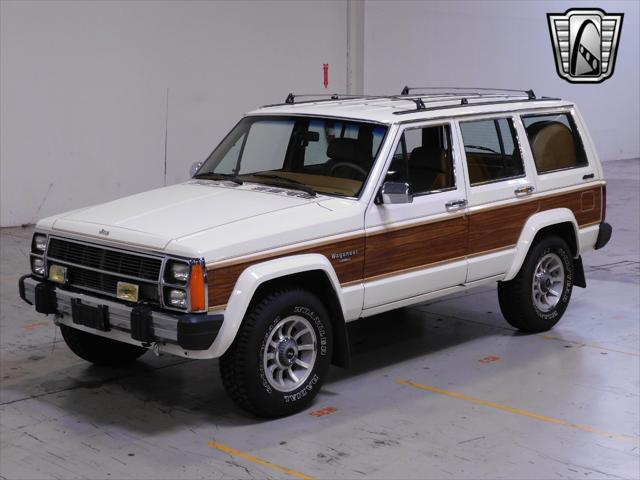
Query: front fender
<point>254,276</point>
<point>533,225</point>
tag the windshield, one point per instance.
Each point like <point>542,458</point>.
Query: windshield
<point>323,155</point>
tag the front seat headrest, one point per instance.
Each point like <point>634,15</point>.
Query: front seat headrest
<point>343,150</point>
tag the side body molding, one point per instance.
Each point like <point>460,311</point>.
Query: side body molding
<point>255,275</point>
<point>533,225</point>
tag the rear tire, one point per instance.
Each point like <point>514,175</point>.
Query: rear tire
<point>537,297</point>
<point>100,350</point>
<point>281,354</point>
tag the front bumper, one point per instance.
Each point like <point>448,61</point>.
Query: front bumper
<point>142,323</point>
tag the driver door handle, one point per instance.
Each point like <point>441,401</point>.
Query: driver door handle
<point>524,190</point>
<point>455,204</point>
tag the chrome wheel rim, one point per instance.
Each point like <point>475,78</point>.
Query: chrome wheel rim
<point>290,353</point>
<point>548,282</point>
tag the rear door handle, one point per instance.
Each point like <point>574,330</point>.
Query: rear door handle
<point>524,190</point>
<point>455,204</point>
<point>588,176</point>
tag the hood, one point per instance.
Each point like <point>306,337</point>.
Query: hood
<point>154,218</point>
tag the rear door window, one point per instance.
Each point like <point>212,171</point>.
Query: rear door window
<point>423,159</point>
<point>491,150</point>
<point>555,142</point>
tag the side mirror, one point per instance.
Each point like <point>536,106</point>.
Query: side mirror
<point>194,168</point>
<point>395,192</point>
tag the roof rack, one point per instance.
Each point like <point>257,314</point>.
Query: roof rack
<point>464,102</point>
<point>463,90</point>
<point>467,93</point>
<point>425,102</point>
<point>327,97</point>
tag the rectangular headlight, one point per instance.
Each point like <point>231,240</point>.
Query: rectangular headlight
<point>37,266</point>
<point>39,243</point>
<point>176,298</point>
<point>177,272</point>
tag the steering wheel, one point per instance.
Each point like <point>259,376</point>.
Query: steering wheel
<point>352,166</point>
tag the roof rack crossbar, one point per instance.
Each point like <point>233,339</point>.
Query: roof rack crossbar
<point>291,98</point>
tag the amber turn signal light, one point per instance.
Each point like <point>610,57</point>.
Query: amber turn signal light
<point>197,288</point>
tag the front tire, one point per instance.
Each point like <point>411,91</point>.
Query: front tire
<point>537,297</point>
<point>281,354</point>
<point>100,350</point>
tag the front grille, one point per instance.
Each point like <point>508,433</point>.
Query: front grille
<point>100,269</point>
<point>112,261</point>
<point>103,282</point>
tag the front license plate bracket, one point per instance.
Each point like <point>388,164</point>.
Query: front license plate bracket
<point>93,317</point>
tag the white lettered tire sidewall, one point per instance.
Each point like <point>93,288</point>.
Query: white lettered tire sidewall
<point>322,357</point>
<point>565,296</point>
<point>242,367</point>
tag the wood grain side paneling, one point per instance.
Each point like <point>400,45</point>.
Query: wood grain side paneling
<point>398,249</point>
<point>498,227</point>
<point>412,247</point>
<point>586,204</point>
<point>222,280</point>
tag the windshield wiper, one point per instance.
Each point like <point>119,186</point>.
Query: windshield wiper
<point>220,176</point>
<point>290,183</point>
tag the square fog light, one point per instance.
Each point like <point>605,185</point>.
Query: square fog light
<point>127,291</point>
<point>58,274</point>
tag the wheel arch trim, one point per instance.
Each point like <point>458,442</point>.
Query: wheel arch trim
<point>534,224</point>
<point>256,275</point>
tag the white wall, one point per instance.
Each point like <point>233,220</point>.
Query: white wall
<point>83,84</point>
<point>83,89</point>
<point>502,44</point>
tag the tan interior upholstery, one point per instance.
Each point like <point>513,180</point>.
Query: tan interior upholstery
<point>322,183</point>
<point>552,145</point>
<point>428,168</point>
<point>478,171</point>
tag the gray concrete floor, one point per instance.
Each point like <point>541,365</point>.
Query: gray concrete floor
<point>441,390</point>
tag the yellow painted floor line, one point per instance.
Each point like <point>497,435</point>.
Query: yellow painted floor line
<point>259,461</point>
<point>590,345</point>
<point>519,411</point>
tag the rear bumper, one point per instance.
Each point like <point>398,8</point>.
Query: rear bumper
<point>141,323</point>
<point>604,235</point>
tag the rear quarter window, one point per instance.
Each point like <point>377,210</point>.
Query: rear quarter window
<point>555,142</point>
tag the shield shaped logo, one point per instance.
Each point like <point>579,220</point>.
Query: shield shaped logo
<point>585,43</point>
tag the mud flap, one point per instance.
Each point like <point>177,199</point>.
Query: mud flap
<point>579,278</point>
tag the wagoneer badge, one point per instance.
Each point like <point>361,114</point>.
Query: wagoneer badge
<point>344,256</point>
<point>104,232</point>
<point>585,43</point>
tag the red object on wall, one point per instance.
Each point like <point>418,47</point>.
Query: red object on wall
<point>325,68</point>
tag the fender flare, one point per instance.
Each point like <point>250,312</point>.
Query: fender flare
<point>255,275</point>
<point>532,226</point>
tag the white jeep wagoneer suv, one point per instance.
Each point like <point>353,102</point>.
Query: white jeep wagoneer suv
<point>314,213</point>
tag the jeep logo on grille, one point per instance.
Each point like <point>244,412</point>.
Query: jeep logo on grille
<point>104,232</point>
